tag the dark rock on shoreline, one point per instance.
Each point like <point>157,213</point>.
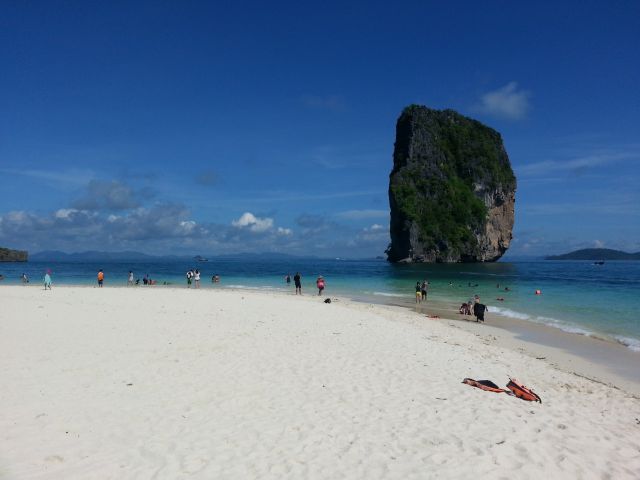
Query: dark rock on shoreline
<point>8,255</point>
<point>451,190</point>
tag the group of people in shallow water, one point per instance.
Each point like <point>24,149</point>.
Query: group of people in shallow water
<point>474,307</point>
<point>193,277</point>
<point>421,291</point>
<point>297,280</point>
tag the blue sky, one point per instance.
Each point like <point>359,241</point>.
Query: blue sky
<point>202,127</point>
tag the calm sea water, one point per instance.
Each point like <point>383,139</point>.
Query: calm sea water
<point>576,296</point>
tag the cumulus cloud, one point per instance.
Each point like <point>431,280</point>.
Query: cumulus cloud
<point>506,102</point>
<point>255,224</point>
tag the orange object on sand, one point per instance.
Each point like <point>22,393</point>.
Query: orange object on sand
<point>487,385</point>
<point>523,392</point>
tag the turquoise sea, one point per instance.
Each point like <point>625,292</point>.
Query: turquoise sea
<point>577,297</point>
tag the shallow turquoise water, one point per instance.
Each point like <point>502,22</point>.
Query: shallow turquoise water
<point>576,296</point>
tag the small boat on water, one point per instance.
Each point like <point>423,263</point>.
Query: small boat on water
<point>599,262</point>
<point>199,258</point>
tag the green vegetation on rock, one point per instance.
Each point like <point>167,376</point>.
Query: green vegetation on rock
<point>446,169</point>
<point>8,255</point>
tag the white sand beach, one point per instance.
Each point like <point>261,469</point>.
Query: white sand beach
<point>170,383</point>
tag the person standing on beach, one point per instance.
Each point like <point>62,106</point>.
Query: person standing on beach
<point>298,282</point>
<point>25,279</point>
<point>320,284</point>
<point>423,290</point>
<point>196,277</point>
<point>418,292</point>
<point>288,279</point>
<point>100,278</point>
<point>189,277</point>
<point>478,310</point>
<point>47,280</point>
<point>130,279</point>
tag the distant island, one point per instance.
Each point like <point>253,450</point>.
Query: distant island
<point>596,254</point>
<point>8,255</point>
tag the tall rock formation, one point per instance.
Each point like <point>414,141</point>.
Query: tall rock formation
<point>8,255</point>
<point>451,190</point>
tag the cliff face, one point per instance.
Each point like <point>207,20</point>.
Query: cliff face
<point>451,190</point>
<point>7,255</point>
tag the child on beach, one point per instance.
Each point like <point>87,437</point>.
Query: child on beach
<point>189,277</point>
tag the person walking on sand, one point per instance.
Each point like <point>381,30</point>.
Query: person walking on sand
<point>478,310</point>
<point>320,284</point>
<point>189,277</point>
<point>298,282</point>
<point>130,279</point>
<point>100,278</point>
<point>47,280</point>
<point>196,277</point>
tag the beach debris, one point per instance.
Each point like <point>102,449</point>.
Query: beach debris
<point>327,300</point>
<point>541,358</point>
<point>522,391</point>
<point>487,385</point>
<point>129,384</point>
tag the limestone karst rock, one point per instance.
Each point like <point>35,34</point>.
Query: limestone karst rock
<point>8,255</point>
<point>451,190</point>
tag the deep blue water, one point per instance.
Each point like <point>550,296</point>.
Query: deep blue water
<point>576,296</point>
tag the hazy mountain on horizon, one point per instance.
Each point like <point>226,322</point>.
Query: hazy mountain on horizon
<point>596,254</point>
<point>94,255</point>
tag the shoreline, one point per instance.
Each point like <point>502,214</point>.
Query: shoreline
<point>598,359</point>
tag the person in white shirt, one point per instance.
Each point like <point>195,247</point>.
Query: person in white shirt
<point>196,277</point>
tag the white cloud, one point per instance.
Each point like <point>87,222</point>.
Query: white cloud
<point>284,231</point>
<point>57,178</point>
<point>505,102</point>
<point>255,224</point>
<point>577,165</point>
<point>65,212</point>
<point>598,244</point>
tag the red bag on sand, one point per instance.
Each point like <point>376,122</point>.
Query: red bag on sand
<point>521,391</point>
